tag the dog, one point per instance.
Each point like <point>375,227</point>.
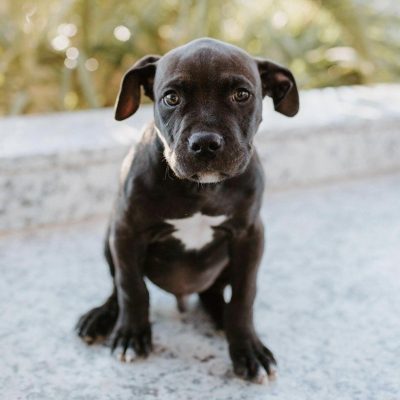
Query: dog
<point>187,215</point>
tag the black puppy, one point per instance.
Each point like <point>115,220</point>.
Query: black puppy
<point>187,212</point>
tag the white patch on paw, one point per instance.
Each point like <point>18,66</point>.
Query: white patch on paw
<point>195,231</point>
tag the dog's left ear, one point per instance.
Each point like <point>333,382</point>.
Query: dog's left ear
<point>141,74</point>
<point>278,82</point>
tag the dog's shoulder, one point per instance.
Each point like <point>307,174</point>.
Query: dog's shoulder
<point>138,155</point>
<point>141,163</point>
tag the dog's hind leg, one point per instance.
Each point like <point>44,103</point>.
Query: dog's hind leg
<point>97,324</point>
<point>213,300</point>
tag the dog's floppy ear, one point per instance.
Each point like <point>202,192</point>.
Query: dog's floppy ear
<point>278,83</point>
<point>141,74</point>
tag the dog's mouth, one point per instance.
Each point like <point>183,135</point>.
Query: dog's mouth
<point>215,170</point>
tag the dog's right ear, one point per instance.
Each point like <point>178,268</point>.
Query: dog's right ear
<point>141,74</point>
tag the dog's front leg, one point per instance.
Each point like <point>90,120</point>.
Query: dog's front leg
<point>132,329</point>
<point>247,351</point>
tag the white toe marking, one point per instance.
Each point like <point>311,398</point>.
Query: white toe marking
<point>195,231</point>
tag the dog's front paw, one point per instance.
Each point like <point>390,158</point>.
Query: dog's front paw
<point>127,337</point>
<point>249,355</point>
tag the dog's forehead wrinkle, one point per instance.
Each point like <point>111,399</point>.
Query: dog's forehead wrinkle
<point>216,81</point>
<point>236,78</point>
<point>178,81</point>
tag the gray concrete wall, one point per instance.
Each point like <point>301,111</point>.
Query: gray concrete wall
<point>64,167</point>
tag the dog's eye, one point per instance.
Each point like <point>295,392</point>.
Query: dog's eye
<point>241,95</point>
<point>171,99</point>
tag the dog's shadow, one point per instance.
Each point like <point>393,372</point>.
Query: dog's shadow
<point>192,328</point>
<point>188,337</point>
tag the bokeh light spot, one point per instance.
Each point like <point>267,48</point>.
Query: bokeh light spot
<point>60,42</point>
<point>122,33</point>
<point>91,64</point>
<point>280,20</point>
<point>72,53</point>
<point>70,64</point>
<point>67,30</point>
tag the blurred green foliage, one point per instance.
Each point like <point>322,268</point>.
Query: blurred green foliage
<point>71,54</point>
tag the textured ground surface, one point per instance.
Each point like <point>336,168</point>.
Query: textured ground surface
<point>328,306</point>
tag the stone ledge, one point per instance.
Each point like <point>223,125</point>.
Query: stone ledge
<point>50,163</point>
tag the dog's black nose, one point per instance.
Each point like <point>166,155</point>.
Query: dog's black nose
<point>205,143</point>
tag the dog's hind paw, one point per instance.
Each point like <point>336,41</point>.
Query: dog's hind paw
<point>96,324</point>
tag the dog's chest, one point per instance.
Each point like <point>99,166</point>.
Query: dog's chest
<point>196,231</point>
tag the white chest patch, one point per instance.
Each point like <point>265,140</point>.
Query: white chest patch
<point>195,231</point>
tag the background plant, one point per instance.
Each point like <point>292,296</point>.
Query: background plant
<point>70,54</point>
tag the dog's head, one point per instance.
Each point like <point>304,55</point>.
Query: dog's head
<point>207,105</point>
